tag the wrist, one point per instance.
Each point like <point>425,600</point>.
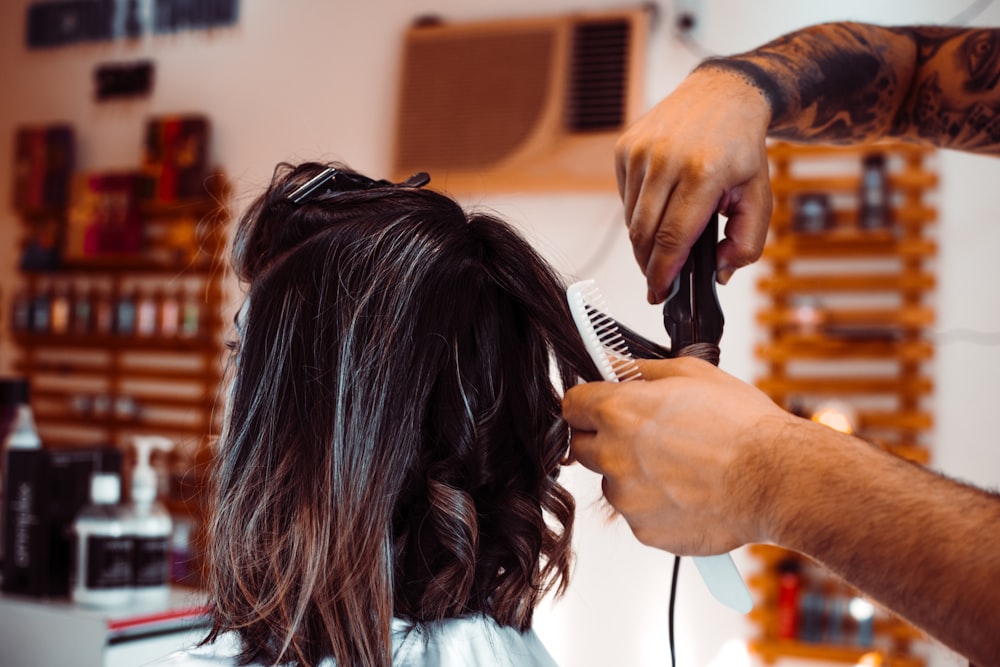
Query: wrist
<point>759,89</point>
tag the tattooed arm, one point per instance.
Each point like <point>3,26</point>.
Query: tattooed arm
<point>702,148</point>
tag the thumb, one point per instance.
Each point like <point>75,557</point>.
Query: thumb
<point>748,215</point>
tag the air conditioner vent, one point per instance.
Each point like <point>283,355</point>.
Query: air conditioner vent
<point>532,104</point>
<point>599,70</point>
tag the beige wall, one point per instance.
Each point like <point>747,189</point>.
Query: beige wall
<point>303,79</point>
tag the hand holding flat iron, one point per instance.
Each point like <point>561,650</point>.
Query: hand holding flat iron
<point>699,151</point>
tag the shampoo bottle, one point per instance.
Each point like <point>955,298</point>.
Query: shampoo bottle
<point>102,573</point>
<point>150,527</point>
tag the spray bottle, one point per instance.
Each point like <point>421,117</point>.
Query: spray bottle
<point>150,526</point>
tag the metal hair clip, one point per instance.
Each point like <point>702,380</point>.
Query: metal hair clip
<point>333,180</point>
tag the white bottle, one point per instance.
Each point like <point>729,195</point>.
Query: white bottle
<point>102,571</point>
<point>150,527</point>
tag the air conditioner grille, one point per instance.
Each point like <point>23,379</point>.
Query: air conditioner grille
<point>599,71</point>
<point>470,100</point>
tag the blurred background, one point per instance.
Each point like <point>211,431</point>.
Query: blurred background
<point>313,79</point>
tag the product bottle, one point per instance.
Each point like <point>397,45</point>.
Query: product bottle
<point>125,313</point>
<point>41,310</point>
<point>190,315</point>
<point>82,318</point>
<point>873,196</point>
<point>17,431</point>
<point>146,314</point>
<point>102,570</point>
<point>60,310</point>
<point>21,310</point>
<point>789,587</point>
<point>150,527</point>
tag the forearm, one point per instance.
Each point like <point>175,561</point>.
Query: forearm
<point>852,82</point>
<point>922,545</point>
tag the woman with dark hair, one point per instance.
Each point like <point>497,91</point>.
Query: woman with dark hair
<point>385,491</point>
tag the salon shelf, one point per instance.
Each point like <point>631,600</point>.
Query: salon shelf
<point>910,318</point>
<point>847,316</point>
<point>913,180</point>
<point>818,346</point>
<point>857,282</point>
<point>848,243</point>
<point>104,388</point>
<point>153,343</point>
<point>771,650</point>
<point>845,232</point>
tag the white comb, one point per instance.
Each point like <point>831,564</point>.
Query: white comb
<point>600,333</point>
<point>607,347</point>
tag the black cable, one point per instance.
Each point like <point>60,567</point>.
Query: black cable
<point>670,611</point>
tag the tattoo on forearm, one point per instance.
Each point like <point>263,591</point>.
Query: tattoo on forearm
<point>956,97</point>
<point>849,82</point>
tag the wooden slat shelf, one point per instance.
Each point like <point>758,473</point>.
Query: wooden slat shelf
<point>846,318</point>
<point>803,152</point>
<point>915,318</point>
<point>854,386</point>
<point>902,181</point>
<point>209,376</point>
<point>859,282</point>
<point>202,343</point>
<point>193,402</point>
<point>839,244</point>
<point>916,420</point>
<point>158,426</point>
<point>821,347</point>
<point>771,649</point>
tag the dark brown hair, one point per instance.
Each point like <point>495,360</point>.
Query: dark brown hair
<point>393,434</point>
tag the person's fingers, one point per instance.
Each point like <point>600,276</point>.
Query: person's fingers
<point>685,216</point>
<point>658,369</point>
<point>746,227</point>
<point>582,450</point>
<point>579,406</point>
<point>625,171</point>
<point>647,191</point>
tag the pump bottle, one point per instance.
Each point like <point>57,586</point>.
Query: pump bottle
<point>150,527</point>
<point>102,572</point>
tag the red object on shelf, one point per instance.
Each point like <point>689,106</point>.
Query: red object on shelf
<point>789,586</point>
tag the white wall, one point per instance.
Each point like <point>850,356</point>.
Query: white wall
<point>304,79</point>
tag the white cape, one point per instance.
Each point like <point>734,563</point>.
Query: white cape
<point>455,642</point>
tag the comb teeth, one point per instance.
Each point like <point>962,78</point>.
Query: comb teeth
<point>600,333</point>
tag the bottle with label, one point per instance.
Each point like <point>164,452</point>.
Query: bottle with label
<point>17,431</point>
<point>21,310</point>
<point>60,310</point>
<point>102,570</point>
<point>146,314</point>
<point>873,195</point>
<point>190,314</point>
<point>125,313</point>
<point>82,317</point>
<point>150,527</point>
<point>41,310</point>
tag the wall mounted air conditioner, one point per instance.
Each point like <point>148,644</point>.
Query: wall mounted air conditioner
<point>532,104</point>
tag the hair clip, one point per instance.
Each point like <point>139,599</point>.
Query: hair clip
<point>335,180</point>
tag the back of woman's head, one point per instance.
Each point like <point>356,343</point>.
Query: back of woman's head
<point>393,437</point>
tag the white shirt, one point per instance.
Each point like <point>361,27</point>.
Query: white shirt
<point>455,642</point>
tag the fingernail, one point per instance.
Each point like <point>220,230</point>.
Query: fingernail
<point>723,275</point>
